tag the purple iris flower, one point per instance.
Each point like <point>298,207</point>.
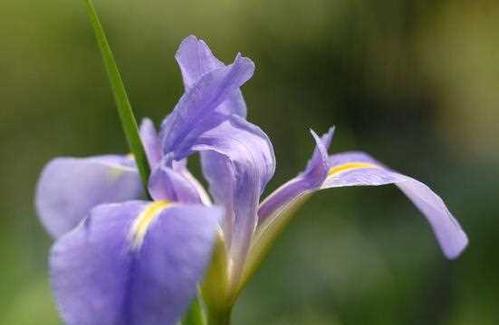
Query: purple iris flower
<point>121,259</point>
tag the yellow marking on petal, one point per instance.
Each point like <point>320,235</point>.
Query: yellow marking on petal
<point>115,173</point>
<point>336,170</point>
<point>144,221</point>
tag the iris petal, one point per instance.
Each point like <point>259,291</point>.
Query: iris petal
<point>238,163</point>
<point>167,184</point>
<point>237,157</point>
<point>195,113</point>
<point>195,59</point>
<point>357,168</point>
<point>100,276</point>
<point>152,144</point>
<point>181,168</point>
<point>310,179</point>
<point>70,187</point>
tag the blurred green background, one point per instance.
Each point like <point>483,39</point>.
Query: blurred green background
<point>413,82</point>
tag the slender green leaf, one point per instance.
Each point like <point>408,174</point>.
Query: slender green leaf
<point>125,111</point>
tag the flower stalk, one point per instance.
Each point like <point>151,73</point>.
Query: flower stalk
<point>220,317</point>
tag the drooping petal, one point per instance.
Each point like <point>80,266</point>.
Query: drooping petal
<point>357,168</point>
<point>310,179</point>
<point>133,263</point>
<point>151,141</point>
<point>195,59</point>
<point>69,188</point>
<point>196,112</point>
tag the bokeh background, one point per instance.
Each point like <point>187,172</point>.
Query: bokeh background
<point>413,82</point>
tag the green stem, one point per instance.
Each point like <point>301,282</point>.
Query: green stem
<point>195,314</point>
<point>219,317</point>
<point>125,111</point>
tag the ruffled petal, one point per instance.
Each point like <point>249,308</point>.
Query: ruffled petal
<point>310,179</point>
<point>357,168</point>
<point>196,111</point>
<point>195,59</point>
<point>69,188</point>
<point>134,263</point>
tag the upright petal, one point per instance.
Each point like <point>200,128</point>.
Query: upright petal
<point>310,179</point>
<point>195,113</point>
<point>219,171</point>
<point>151,141</point>
<point>69,188</point>
<point>195,59</point>
<point>357,168</point>
<point>237,157</point>
<point>238,161</point>
<point>133,263</point>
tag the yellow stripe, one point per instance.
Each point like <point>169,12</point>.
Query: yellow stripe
<point>144,220</point>
<point>336,170</point>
